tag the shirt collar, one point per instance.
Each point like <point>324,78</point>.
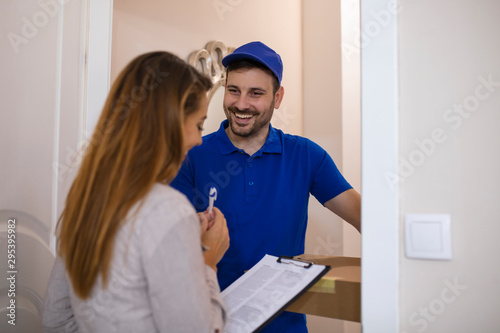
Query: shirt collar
<point>226,147</point>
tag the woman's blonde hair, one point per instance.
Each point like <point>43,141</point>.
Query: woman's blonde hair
<point>138,141</point>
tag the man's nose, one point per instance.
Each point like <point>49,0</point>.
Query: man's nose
<point>242,102</point>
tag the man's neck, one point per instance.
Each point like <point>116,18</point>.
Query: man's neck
<point>250,144</point>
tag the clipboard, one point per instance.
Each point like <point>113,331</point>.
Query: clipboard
<point>266,290</point>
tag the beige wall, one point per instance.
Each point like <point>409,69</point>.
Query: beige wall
<point>331,119</point>
<point>447,51</point>
<point>184,26</point>
<point>323,110</point>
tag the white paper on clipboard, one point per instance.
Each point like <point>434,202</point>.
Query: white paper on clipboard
<point>266,290</point>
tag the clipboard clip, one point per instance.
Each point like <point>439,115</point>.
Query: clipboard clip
<point>297,262</point>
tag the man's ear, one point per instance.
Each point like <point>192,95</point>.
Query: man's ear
<point>278,97</point>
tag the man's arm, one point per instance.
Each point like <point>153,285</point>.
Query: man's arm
<point>347,205</point>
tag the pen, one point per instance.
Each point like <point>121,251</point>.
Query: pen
<point>212,196</point>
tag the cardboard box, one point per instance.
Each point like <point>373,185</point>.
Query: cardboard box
<point>337,294</point>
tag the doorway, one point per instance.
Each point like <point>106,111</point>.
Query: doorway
<point>379,153</point>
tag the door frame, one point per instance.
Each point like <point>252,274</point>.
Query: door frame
<point>379,158</point>
<point>98,65</point>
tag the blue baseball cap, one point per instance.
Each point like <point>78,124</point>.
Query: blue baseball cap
<point>259,52</point>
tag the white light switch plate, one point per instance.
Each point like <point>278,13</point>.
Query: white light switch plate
<point>428,236</point>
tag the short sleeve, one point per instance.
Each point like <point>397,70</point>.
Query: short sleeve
<point>327,182</point>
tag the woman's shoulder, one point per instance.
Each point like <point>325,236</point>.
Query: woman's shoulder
<point>163,203</point>
<point>161,192</point>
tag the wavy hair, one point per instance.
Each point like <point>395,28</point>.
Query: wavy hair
<point>138,141</point>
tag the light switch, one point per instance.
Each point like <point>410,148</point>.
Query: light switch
<point>428,236</point>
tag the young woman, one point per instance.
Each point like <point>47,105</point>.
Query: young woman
<point>133,255</point>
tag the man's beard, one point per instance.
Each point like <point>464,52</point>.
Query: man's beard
<point>248,131</point>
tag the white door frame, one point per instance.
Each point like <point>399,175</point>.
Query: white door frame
<point>379,117</point>
<point>379,146</point>
<point>98,54</point>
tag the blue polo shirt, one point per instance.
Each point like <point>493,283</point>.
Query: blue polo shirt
<point>264,197</point>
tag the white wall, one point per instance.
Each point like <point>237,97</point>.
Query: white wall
<point>447,51</point>
<point>42,61</point>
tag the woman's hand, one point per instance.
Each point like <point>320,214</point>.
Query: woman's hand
<point>207,217</point>
<point>214,235</point>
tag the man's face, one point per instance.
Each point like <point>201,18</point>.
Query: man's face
<point>249,101</point>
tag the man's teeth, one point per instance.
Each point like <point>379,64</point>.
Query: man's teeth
<point>243,116</point>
